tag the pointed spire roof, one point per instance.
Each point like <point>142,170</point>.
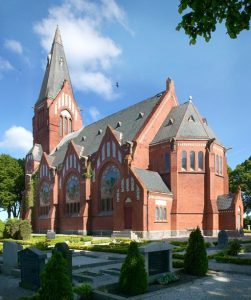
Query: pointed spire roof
<point>56,70</point>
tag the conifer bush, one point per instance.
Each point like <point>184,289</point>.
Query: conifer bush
<point>11,229</point>
<point>133,277</point>
<point>24,230</point>
<point>196,261</point>
<point>55,280</point>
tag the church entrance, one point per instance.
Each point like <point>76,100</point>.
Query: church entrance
<point>128,214</point>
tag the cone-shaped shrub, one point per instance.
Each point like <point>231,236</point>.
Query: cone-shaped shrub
<point>55,281</point>
<point>133,277</point>
<point>196,262</point>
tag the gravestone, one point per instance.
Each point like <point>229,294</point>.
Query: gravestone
<point>10,256</point>
<point>67,255</point>
<point>158,259</point>
<point>50,235</point>
<point>32,262</point>
<point>222,239</point>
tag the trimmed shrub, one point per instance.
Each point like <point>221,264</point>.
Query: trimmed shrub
<point>233,260</point>
<point>178,256</point>
<point>24,230</point>
<point>196,262</point>
<point>133,277</point>
<point>84,291</point>
<point>178,264</point>
<point>55,281</point>
<point>11,229</point>
<point>2,225</point>
<point>234,247</point>
<point>168,278</point>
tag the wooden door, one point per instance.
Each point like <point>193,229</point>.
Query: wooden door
<point>128,217</point>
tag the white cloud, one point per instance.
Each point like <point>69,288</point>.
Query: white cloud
<point>90,54</point>
<point>5,65</point>
<point>14,46</point>
<point>17,138</point>
<point>94,113</point>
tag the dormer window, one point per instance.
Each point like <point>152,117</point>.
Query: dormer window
<point>61,60</point>
<point>170,122</point>
<point>191,119</point>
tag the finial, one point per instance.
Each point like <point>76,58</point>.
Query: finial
<point>190,98</point>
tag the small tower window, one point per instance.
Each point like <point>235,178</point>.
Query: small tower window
<point>167,162</point>
<point>217,164</point>
<point>220,165</point>
<point>61,126</point>
<point>201,160</point>
<point>191,119</point>
<point>192,160</point>
<point>61,61</point>
<point>184,160</point>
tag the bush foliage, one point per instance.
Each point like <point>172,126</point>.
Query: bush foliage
<point>17,229</point>
<point>234,247</point>
<point>55,281</point>
<point>196,261</point>
<point>84,291</point>
<point>2,225</point>
<point>133,277</point>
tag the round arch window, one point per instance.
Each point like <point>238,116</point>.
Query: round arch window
<point>109,178</point>
<point>44,194</point>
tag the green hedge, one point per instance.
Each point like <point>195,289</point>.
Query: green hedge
<point>178,256</point>
<point>179,243</point>
<point>233,260</point>
<point>178,264</point>
<point>2,225</point>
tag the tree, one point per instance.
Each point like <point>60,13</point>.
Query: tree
<point>196,262</point>
<point>241,176</point>
<point>133,277</point>
<point>11,184</point>
<point>55,280</point>
<point>203,16</point>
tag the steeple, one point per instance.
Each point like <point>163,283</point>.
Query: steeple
<point>56,70</point>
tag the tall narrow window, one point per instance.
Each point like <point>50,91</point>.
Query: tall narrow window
<point>184,160</point>
<point>220,165</point>
<point>61,126</point>
<point>157,214</point>
<point>201,160</point>
<point>70,125</point>
<point>217,164</point>
<point>192,160</point>
<point>65,126</point>
<point>167,162</point>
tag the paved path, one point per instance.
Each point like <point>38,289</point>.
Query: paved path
<point>217,285</point>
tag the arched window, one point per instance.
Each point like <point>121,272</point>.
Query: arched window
<point>109,178</point>
<point>192,160</point>
<point>217,164</point>
<point>160,214</point>
<point>70,125</point>
<point>72,195</point>
<point>220,165</point>
<point>184,160</point>
<point>65,125</point>
<point>44,197</point>
<point>201,160</point>
<point>167,162</point>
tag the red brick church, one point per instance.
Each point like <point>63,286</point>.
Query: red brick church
<point>155,169</point>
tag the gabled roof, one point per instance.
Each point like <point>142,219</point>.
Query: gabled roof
<point>91,136</point>
<point>184,122</point>
<point>225,202</point>
<point>56,70</point>
<point>152,181</point>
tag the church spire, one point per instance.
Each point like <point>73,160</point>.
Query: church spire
<point>56,70</point>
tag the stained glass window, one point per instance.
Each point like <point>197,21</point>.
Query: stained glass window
<point>192,160</point>
<point>184,160</point>
<point>109,179</point>
<point>201,160</point>
<point>72,195</point>
<point>45,194</point>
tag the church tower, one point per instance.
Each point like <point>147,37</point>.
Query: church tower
<point>56,112</point>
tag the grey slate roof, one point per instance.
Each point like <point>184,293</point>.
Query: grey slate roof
<point>56,70</point>
<point>178,124</point>
<point>36,152</point>
<point>225,202</point>
<point>129,127</point>
<point>152,181</point>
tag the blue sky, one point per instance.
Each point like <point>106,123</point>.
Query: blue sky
<point>133,43</point>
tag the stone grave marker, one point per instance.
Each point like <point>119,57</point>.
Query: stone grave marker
<point>67,255</point>
<point>32,262</point>
<point>50,235</point>
<point>10,256</point>
<point>222,239</point>
<point>158,259</point>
